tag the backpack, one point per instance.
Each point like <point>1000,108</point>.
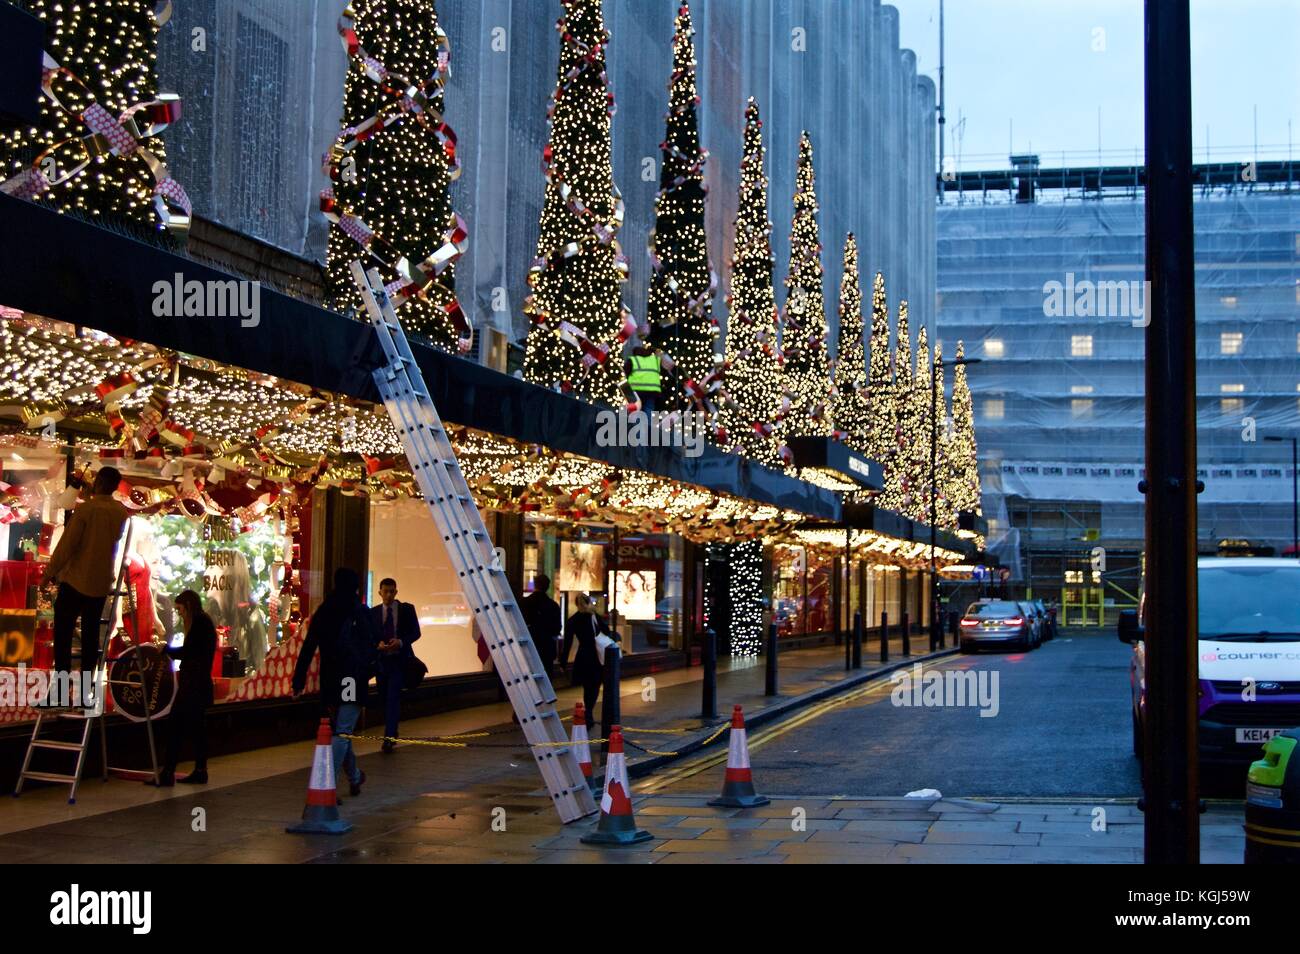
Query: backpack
<point>357,651</point>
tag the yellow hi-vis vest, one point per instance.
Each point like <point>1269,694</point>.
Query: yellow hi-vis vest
<point>645,373</point>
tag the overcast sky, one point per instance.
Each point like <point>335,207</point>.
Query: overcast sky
<point>1032,76</point>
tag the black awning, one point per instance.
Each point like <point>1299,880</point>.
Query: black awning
<point>70,270</point>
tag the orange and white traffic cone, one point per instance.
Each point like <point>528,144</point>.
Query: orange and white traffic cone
<point>738,783</point>
<point>321,816</point>
<point>581,745</point>
<point>616,825</point>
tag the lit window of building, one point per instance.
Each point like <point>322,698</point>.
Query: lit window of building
<point>993,348</point>
<point>1081,346</point>
<point>1230,342</point>
<point>1081,407</point>
<point>1231,388</point>
<point>994,409</point>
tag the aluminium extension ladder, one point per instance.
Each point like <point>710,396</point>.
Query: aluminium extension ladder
<point>90,717</point>
<point>482,579</point>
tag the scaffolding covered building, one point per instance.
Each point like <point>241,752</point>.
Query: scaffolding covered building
<point>1041,273</point>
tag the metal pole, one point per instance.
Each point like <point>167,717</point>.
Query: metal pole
<point>770,688</point>
<point>1170,768</point>
<point>857,640</point>
<point>709,659</point>
<point>609,713</point>
<point>1295,504</point>
<point>941,117</point>
<point>907,636</point>
<point>884,636</point>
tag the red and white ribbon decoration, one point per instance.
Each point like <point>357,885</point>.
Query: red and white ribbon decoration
<point>108,136</point>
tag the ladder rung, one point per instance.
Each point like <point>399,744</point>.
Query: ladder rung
<point>50,777</point>
<point>67,746</point>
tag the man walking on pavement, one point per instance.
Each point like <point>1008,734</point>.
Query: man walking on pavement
<point>341,628</point>
<point>398,628</point>
<point>542,615</point>
<point>82,565</point>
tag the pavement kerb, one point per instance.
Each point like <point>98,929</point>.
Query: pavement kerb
<point>772,713</point>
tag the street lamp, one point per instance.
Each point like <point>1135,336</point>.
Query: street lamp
<point>1295,495</point>
<point>935,374</point>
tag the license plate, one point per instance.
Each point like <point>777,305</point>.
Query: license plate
<point>1257,736</point>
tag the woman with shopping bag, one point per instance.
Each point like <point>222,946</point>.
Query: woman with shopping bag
<point>592,635</point>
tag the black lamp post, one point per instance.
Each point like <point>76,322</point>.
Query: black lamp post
<point>1295,495</point>
<point>934,497</point>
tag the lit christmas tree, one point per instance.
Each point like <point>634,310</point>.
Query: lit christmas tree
<point>898,492</point>
<point>883,423</point>
<point>107,51</point>
<point>852,405</point>
<point>946,516</point>
<point>391,167</point>
<point>579,320</point>
<point>680,310</point>
<point>752,417</point>
<point>963,467</point>
<point>918,479</point>
<point>803,337</point>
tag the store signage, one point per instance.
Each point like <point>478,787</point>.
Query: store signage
<point>130,690</point>
<point>838,461</point>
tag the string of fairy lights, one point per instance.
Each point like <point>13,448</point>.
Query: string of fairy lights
<point>851,395</point>
<point>682,285</point>
<point>803,335</point>
<point>752,417</point>
<point>575,300</point>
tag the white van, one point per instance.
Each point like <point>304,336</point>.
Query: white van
<point>1248,616</point>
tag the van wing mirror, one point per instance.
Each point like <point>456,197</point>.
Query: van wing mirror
<point>1127,627</point>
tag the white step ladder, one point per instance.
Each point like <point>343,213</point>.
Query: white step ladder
<point>483,581</point>
<point>90,717</point>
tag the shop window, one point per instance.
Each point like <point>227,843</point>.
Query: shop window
<point>405,545</point>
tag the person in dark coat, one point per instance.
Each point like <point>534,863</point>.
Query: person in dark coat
<point>542,615</point>
<point>342,629</point>
<point>398,628</point>
<point>193,691</point>
<point>584,625</point>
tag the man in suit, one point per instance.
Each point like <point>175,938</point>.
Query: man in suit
<point>398,627</point>
<point>542,615</point>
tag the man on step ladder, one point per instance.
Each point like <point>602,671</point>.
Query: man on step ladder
<point>82,565</point>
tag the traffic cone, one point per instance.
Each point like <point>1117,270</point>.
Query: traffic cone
<point>581,748</point>
<point>738,783</point>
<point>616,826</point>
<point>321,816</point>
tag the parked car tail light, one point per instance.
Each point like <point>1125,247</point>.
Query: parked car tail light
<point>1013,621</point>
<point>970,622</point>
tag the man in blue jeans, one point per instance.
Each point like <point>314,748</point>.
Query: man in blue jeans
<point>342,630</point>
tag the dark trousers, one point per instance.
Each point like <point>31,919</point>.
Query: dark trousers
<point>649,400</point>
<point>188,722</point>
<point>389,680</point>
<point>590,693</point>
<point>69,607</point>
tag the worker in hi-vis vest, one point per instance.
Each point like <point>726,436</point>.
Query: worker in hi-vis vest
<point>644,376</point>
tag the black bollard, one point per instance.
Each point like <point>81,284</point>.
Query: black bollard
<point>884,637</point>
<point>770,690</point>
<point>857,639</point>
<point>907,635</point>
<point>609,711</point>
<point>709,659</point>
